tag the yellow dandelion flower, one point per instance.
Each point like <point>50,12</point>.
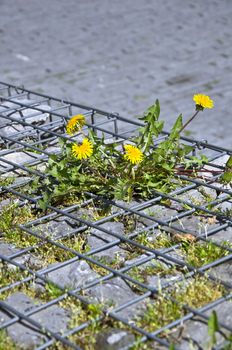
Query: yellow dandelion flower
<point>75,124</point>
<point>84,150</point>
<point>133,154</point>
<point>203,101</point>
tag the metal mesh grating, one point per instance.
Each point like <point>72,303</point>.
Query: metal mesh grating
<point>142,237</point>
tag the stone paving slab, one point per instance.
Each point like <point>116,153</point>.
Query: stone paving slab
<point>120,56</point>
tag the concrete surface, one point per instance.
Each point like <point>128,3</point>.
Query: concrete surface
<point>121,55</point>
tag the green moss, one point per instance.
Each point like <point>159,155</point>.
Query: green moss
<point>207,195</point>
<point>198,292</point>
<point>20,238</point>
<point>142,346</point>
<point>9,276</point>
<point>129,222</point>
<point>50,254</point>
<point>6,181</point>
<point>80,314</point>
<point>86,338</point>
<point>226,212</point>
<point>68,200</point>
<point>115,264</point>
<point>5,342</point>
<point>156,241</point>
<point>10,217</point>
<point>159,314</point>
<point>200,254</point>
<point>140,273</point>
<point>162,240</point>
<point>197,254</point>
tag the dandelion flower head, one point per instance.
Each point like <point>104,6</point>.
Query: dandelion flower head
<point>84,150</point>
<point>133,154</point>
<point>203,101</point>
<point>75,124</point>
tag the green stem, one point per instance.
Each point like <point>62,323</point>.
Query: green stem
<point>189,120</point>
<point>146,131</point>
<point>133,173</point>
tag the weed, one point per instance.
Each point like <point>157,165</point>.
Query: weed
<point>131,171</point>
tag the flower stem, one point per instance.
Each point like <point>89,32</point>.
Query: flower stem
<point>189,120</point>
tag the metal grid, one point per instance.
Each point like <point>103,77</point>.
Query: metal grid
<point>39,140</point>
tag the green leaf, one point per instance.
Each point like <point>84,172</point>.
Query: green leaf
<point>229,163</point>
<point>175,132</point>
<point>195,161</point>
<point>152,128</point>
<point>53,158</point>
<point>94,139</point>
<point>47,181</point>
<point>213,327</point>
<point>53,290</point>
<point>62,164</point>
<point>157,128</point>
<point>227,177</point>
<point>42,204</point>
<point>54,171</point>
<point>62,142</point>
<point>167,166</point>
<point>152,113</point>
<point>187,149</point>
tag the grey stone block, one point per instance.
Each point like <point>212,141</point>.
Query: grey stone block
<point>98,238</point>
<point>53,318</point>
<point>54,229</point>
<point>72,276</point>
<point>114,339</point>
<point>116,292</point>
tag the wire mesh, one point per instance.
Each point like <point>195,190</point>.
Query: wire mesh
<point>127,267</point>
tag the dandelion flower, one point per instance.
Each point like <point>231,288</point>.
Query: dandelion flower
<point>203,101</point>
<point>75,124</point>
<point>133,154</point>
<point>84,150</point>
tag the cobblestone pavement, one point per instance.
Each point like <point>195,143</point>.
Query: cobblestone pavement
<point>122,55</point>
